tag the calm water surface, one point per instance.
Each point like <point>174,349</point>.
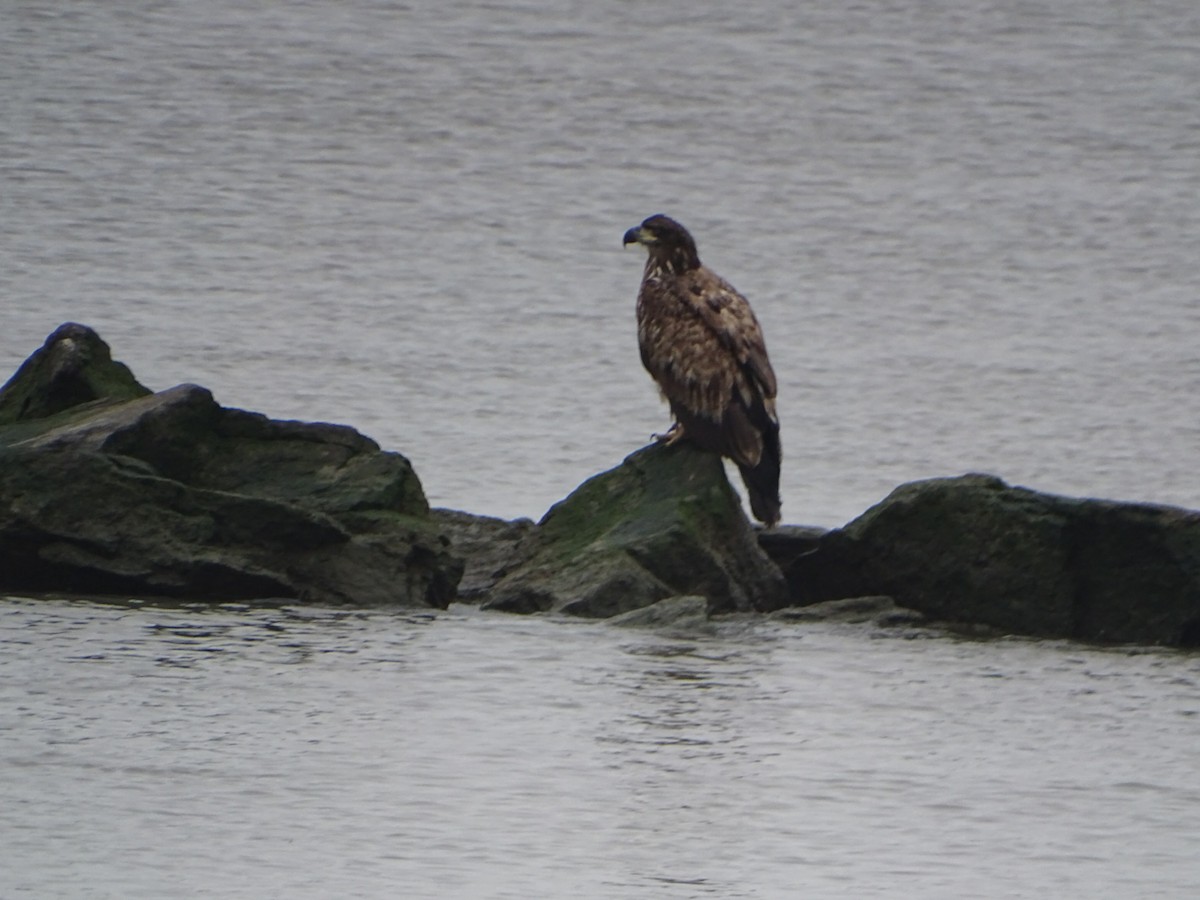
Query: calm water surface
<point>244,752</point>
<point>969,228</point>
<point>970,231</point>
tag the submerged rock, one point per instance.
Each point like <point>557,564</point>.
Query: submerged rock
<point>171,494</point>
<point>677,613</point>
<point>663,523</point>
<point>851,610</point>
<point>973,549</point>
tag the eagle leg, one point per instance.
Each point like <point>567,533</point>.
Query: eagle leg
<point>671,436</point>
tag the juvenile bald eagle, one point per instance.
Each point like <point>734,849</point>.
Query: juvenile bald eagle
<point>701,343</point>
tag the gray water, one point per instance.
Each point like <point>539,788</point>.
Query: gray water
<point>969,230</point>
<point>289,752</point>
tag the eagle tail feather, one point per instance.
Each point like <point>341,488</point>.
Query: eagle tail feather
<point>762,479</point>
<point>750,438</point>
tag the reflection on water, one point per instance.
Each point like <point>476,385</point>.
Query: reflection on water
<point>249,751</point>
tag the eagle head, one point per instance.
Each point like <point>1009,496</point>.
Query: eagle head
<point>668,243</point>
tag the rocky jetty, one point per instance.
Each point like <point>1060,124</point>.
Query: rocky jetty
<point>106,487</point>
<point>109,488</point>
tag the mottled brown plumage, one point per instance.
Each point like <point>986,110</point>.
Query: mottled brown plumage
<point>702,345</point>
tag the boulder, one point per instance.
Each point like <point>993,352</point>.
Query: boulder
<point>974,549</point>
<point>170,494</point>
<point>74,367</point>
<point>663,523</point>
<point>489,548</point>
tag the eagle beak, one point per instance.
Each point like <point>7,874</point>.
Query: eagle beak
<point>633,236</point>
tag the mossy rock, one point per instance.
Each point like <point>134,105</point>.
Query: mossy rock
<point>171,494</point>
<point>664,523</point>
<point>976,550</point>
<point>972,549</point>
<point>73,367</point>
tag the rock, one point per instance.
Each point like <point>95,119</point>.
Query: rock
<point>170,494</point>
<point>852,610</point>
<point>488,546</point>
<point>73,367</point>
<point>663,523</point>
<point>106,487</point>
<point>975,550</point>
<point>689,614</point>
<point>812,564</point>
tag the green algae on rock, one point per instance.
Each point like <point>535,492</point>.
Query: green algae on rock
<point>973,549</point>
<point>74,366</point>
<point>665,522</point>
<point>170,494</point>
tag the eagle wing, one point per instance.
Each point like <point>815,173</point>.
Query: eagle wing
<point>701,342</point>
<point>728,314</point>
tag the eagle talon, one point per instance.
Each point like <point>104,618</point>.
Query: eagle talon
<point>670,436</point>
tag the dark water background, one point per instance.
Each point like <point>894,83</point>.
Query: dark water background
<point>970,232</point>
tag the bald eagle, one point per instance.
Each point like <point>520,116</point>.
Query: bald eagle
<point>700,342</point>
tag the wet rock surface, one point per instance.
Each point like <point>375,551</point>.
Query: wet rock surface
<point>109,488</point>
<point>974,549</point>
<point>663,523</point>
<point>171,494</point>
